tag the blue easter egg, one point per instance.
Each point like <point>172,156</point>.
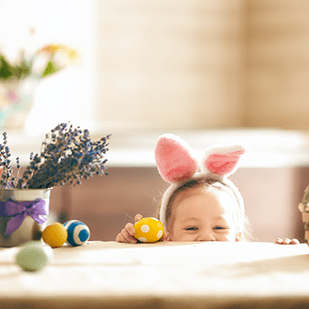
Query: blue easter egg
<point>78,232</point>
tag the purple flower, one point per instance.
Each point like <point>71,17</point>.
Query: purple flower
<point>67,156</point>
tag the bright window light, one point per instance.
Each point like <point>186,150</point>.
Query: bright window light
<point>67,95</point>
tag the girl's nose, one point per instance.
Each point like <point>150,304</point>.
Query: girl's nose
<point>206,236</point>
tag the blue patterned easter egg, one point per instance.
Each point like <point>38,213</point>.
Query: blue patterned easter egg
<point>78,232</point>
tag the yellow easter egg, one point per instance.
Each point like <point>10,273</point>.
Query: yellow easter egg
<point>55,235</point>
<point>148,230</point>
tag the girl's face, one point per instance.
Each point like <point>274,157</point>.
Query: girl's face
<point>203,215</point>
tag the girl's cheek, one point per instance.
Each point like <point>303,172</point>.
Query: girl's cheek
<point>167,236</point>
<point>185,237</point>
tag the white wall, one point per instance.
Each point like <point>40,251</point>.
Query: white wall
<point>203,63</point>
<point>277,69</point>
<point>169,64</point>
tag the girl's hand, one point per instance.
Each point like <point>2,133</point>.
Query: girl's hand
<point>127,234</point>
<point>287,241</point>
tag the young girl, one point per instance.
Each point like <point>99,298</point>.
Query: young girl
<point>198,206</point>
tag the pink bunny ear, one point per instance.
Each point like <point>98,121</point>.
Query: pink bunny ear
<point>222,160</point>
<point>175,159</point>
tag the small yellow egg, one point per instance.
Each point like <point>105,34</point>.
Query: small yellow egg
<point>55,235</point>
<point>148,230</point>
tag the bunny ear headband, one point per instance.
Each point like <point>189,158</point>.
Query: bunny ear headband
<point>177,165</point>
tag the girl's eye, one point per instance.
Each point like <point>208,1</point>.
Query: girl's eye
<point>219,228</point>
<point>192,228</point>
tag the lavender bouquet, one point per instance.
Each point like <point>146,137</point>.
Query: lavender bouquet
<point>67,156</point>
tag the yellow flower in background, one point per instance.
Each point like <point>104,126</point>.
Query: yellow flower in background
<point>21,75</point>
<point>59,56</point>
<point>69,54</point>
<point>46,61</point>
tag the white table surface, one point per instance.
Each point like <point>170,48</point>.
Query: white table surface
<point>161,275</point>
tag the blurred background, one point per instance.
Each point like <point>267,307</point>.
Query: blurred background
<point>229,70</point>
<point>176,64</point>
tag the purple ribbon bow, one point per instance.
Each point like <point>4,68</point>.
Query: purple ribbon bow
<point>19,210</point>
